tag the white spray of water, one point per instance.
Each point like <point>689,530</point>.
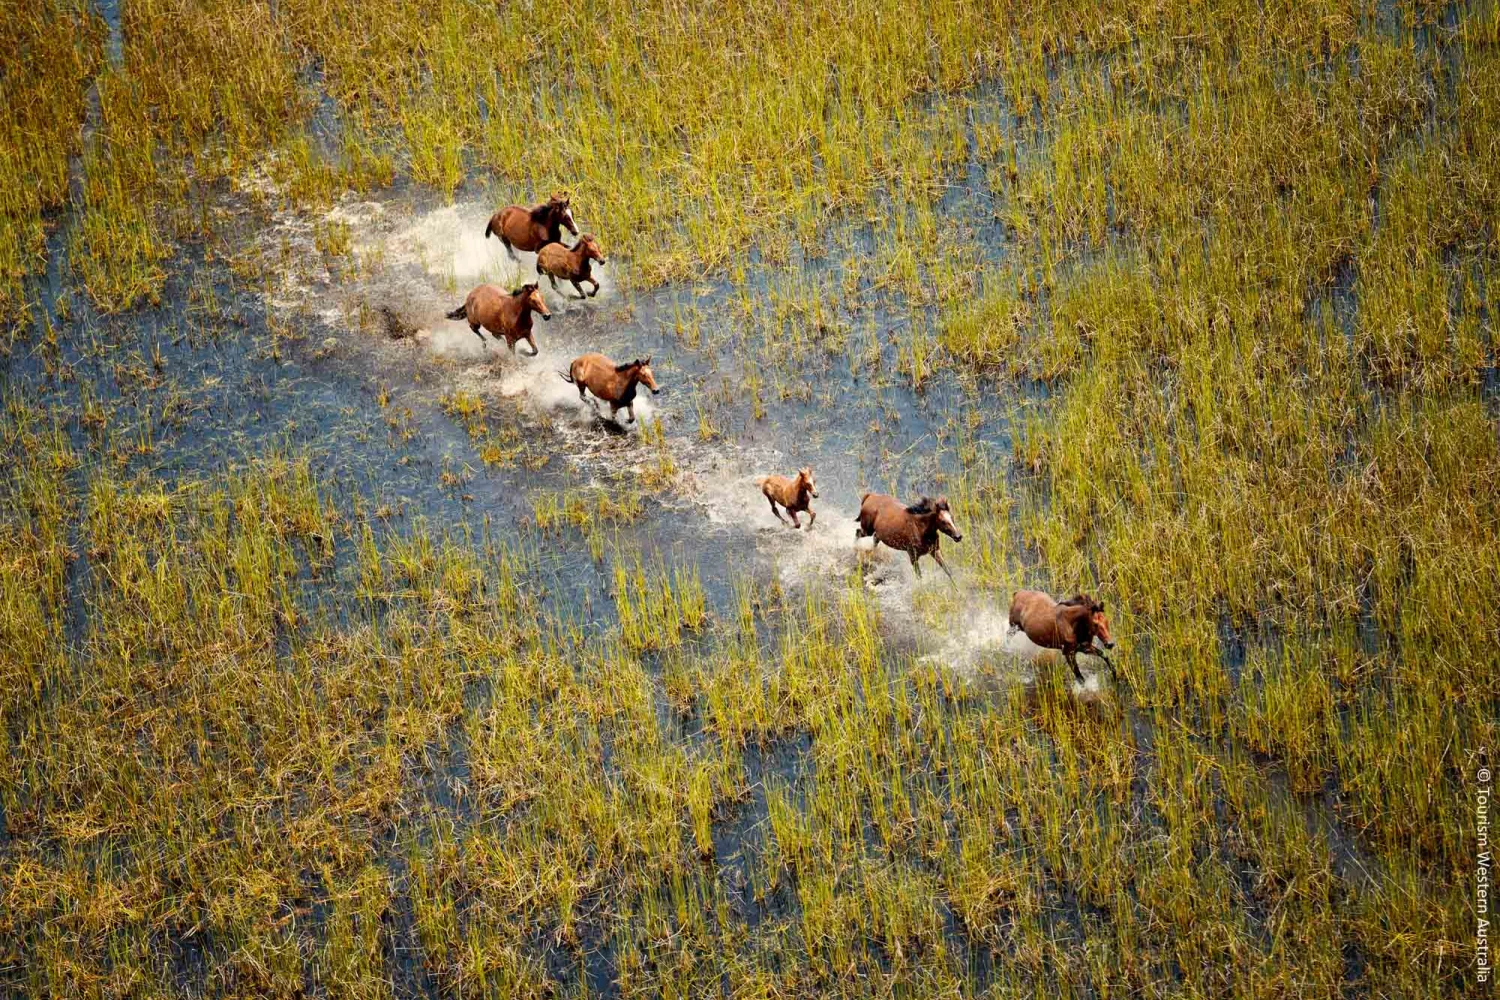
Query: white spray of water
<point>449,245</point>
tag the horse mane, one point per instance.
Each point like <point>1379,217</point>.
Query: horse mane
<point>927,505</point>
<point>539,213</point>
<point>627,366</point>
<point>1081,601</point>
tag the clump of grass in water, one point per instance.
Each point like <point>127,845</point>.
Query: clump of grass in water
<point>656,607</point>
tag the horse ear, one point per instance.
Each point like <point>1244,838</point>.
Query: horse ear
<point>647,361</point>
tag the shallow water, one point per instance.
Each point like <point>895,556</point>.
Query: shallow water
<point>411,263</point>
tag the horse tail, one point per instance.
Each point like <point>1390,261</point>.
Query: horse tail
<point>567,377</point>
<point>462,312</point>
<point>489,227</point>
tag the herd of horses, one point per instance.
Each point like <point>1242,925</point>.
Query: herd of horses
<point>1073,626</point>
<point>507,315</point>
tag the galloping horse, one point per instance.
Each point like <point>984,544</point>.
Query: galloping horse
<point>913,530</point>
<point>504,314</point>
<point>532,228</point>
<point>557,261</point>
<point>795,493</point>
<point>615,384</point>
<point>1070,626</point>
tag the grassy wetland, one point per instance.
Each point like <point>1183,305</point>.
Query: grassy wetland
<point>341,657</point>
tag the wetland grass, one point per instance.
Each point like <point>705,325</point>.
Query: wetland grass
<point>263,735</point>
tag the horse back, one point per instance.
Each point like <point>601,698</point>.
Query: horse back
<point>595,371</point>
<point>555,259</point>
<point>483,305</point>
<point>516,224</point>
<point>1024,605</point>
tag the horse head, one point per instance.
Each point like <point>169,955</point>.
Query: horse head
<point>590,246</point>
<point>559,209</point>
<point>531,298</point>
<point>643,373</point>
<point>945,520</point>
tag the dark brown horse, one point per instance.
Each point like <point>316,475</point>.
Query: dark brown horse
<point>557,261</point>
<point>532,228</point>
<point>1070,626</point>
<point>615,384</point>
<point>504,314</point>
<point>913,530</point>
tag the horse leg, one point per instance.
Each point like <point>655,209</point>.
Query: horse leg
<point>793,515</point>
<point>914,565</point>
<point>550,278</point>
<point>775,511</point>
<point>595,283</point>
<point>939,557</point>
<point>508,248</point>
<point>475,328</point>
<point>812,516</point>
<point>576,285</point>
<point>630,410</point>
<point>531,339</point>
<point>1072,658</point>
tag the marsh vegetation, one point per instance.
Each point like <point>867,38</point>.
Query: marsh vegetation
<point>338,660</point>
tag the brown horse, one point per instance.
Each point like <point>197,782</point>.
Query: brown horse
<point>532,228</point>
<point>557,261</point>
<point>615,384</point>
<point>1070,626</point>
<point>794,493</point>
<point>913,530</point>
<point>504,314</point>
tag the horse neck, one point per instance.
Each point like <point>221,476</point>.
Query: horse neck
<point>553,221</point>
<point>520,310</point>
<point>1069,616</point>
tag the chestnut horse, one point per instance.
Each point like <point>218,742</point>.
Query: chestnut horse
<point>557,261</point>
<point>795,493</point>
<point>1070,626</point>
<point>504,314</point>
<point>532,228</point>
<point>913,530</point>
<point>615,384</point>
